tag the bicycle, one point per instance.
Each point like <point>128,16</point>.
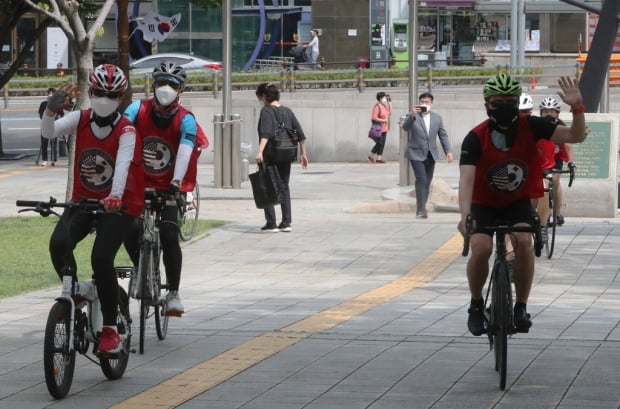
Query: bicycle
<point>499,314</point>
<point>189,219</point>
<point>69,328</point>
<point>551,222</point>
<point>147,284</point>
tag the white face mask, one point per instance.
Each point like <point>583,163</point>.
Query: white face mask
<point>428,107</point>
<point>384,101</point>
<point>166,95</point>
<point>103,106</point>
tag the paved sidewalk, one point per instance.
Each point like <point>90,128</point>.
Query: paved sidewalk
<point>350,310</point>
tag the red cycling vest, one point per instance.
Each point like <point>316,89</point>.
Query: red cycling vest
<point>95,161</point>
<point>546,150</point>
<point>161,146</point>
<point>505,177</point>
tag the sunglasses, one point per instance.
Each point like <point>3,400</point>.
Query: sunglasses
<point>163,82</point>
<point>105,94</point>
<point>504,103</point>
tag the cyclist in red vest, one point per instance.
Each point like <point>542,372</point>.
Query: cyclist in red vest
<point>168,133</point>
<point>500,172</point>
<point>108,167</point>
<point>558,154</point>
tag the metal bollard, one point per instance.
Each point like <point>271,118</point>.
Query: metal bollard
<point>246,148</point>
<point>216,86</point>
<point>218,126</point>
<point>5,94</point>
<point>283,80</point>
<point>429,80</point>
<point>360,79</point>
<point>291,80</point>
<point>147,86</point>
<point>235,141</point>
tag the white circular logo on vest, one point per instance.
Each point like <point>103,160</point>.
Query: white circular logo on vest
<point>508,176</point>
<point>95,170</point>
<point>156,155</point>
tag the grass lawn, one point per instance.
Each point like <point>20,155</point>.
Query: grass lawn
<point>25,263</point>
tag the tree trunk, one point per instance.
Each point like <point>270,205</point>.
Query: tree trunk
<point>84,62</point>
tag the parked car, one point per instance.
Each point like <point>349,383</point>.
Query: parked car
<point>189,62</point>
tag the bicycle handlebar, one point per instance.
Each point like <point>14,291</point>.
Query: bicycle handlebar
<point>504,228</point>
<point>570,170</point>
<point>45,208</point>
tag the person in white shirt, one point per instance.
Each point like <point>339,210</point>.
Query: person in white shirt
<point>314,46</point>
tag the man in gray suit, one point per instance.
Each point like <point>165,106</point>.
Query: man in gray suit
<point>423,127</point>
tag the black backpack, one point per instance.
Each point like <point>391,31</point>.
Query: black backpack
<point>282,147</point>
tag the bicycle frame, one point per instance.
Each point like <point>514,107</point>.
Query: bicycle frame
<point>69,329</point>
<point>499,311</point>
<point>146,284</point>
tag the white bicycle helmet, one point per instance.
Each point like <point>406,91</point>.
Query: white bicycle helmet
<point>550,103</point>
<point>108,78</point>
<point>525,102</point>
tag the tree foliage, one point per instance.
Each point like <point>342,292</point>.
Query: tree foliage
<point>71,17</point>
<point>11,11</point>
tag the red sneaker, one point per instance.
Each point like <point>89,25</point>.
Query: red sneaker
<point>109,341</point>
<point>371,159</point>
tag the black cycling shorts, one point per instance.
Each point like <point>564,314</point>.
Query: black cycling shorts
<point>517,212</point>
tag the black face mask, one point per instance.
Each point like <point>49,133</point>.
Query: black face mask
<point>551,119</point>
<point>504,113</point>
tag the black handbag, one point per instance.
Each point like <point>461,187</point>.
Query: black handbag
<point>267,186</point>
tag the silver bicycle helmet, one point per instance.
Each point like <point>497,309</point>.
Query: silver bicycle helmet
<point>550,103</point>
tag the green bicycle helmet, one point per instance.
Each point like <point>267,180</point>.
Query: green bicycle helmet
<point>502,84</point>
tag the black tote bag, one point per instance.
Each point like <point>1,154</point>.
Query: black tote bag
<point>267,186</point>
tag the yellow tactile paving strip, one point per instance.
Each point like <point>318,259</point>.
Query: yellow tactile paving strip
<point>204,376</point>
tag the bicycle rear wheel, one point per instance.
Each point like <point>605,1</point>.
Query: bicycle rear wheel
<point>58,355</point>
<point>551,225</point>
<point>190,216</point>
<point>113,367</point>
<point>502,321</point>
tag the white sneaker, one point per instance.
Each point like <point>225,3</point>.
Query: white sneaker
<point>174,307</point>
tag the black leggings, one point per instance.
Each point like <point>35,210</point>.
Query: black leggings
<point>73,226</point>
<point>170,246</point>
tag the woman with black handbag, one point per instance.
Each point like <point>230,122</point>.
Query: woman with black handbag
<point>279,135</point>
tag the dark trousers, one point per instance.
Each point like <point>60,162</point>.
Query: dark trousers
<point>170,247</point>
<point>53,144</point>
<point>73,226</point>
<point>270,213</point>
<point>423,171</point>
<point>379,144</point>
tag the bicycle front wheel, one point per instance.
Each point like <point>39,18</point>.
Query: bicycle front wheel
<point>113,367</point>
<point>58,355</point>
<point>190,216</point>
<point>552,225</point>
<point>502,320</point>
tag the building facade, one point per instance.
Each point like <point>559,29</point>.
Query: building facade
<point>352,32</point>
